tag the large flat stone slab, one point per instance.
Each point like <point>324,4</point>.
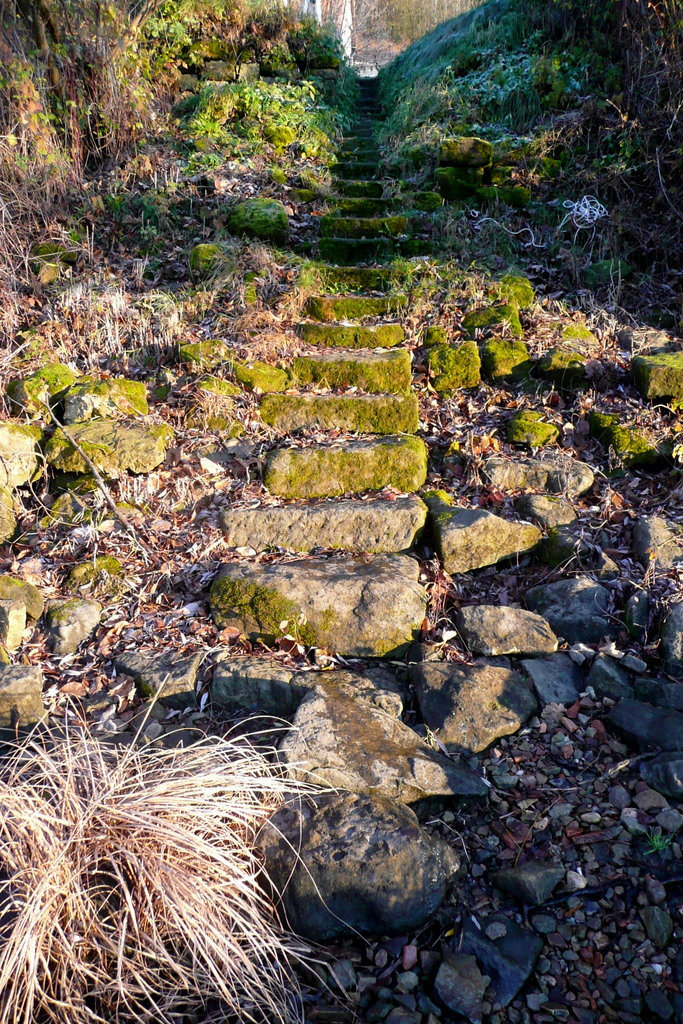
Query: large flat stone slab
<point>353,335</point>
<point>376,525</point>
<point>471,538</point>
<point>21,701</point>
<point>659,375</point>
<point>356,607</point>
<point>114,447</point>
<point>557,474</point>
<point>345,738</point>
<point>494,630</point>
<point>329,308</point>
<point>363,414</point>
<point>469,706</point>
<point>385,372</point>
<point>329,470</point>
<point>577,609</point>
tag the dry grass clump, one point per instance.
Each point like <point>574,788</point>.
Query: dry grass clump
<point>129,885</point>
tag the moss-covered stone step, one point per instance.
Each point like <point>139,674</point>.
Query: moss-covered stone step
<point>375,372</point>
<point>329,308</point>
<point>347,605</point>
<point>361,207</point>
<point>660,375</point>
<point>360,152</point>
<point>352,335</point>
<point>356,279</point>
<point>365,414</point>
<point>454,367</point>
<point>364,227</point>
<point>357,466</point>
<point>347,251</point>
<point>563,367</point>
<point>357,170</point>
<point>634,448</point>
<point>359,189</point>
<point>114,447</point>
<point>378,525</point>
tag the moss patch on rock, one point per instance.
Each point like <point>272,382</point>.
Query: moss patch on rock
<point>465,151</point>
<point>436,335</point>
<point>374,372</point>
<point>506,359</point>
<point>659,376</point>
<point>515,289</point>
<point>452,368</point>
<point>632,447</point>
<point>328,308</point>
<point>605,271</point>
<point>352,336</point>
<point>529,428</point>
<point>218,386</point>
<point>358,189</point>
<point>205,354</point>
<point>12,589</point>
<point>89,398</point>
<point>366,414</point>
<point>112,446</point>
<point>30,395</point>
<point>98,572</point>
<point>205,259</point>
<point>363,227</point>
<point>263,606</point>
<point>260,218</point>
<point>262,377</point>
<point>492,317</point>
<point>563,367</point>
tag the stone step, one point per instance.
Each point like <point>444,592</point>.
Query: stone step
<point>358,170</point>
<point>352,250</point>
<point>352,335</point>
<point>363,414</point>
<point>364,227</point>
<point>375,526</point>
<point>356,189</point>
<point>347,605</point>
<point>328,470</point>
<point>329,308</point>
<point>360,135</point>
<point>387,372</point>
<point>361,207</point>
<point>365,279</point>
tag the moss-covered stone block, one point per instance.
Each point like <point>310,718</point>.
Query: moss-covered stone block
<point>12,589</point>
<point>465,152</point>
<point>355,170</point>
<point>330,470</point>
<point>303,195</point>
<point>659,376</point>
<point>529,428</point>
<point>375,372</point>
<point>453,185</point>
<point>604,272</point>
<point>329,308</point>
<point>435,335</point>
<point>506,360</point>
<point>360,189</point>
<point>427,202</point>
<point>452,368</point>
<point>360,207</point>
<point>218,386</point>
<point>364,414</point>
<point>515,289</point>
<point>8,518</point>
<point>97,573</point>
<point>576,333</point>
<point>112,446</point>
<point>262,377</point>
<point>363,227</point>
<point>30,395</point>
<point>563,367</point>
<point>349,251</point>
<point>632,447</point>
<point>260,218</point>
<point>89,398</point>
<point>204,355</point>
<point>491,318</point>
<point>358,279</point>
<point>517,196</point>
<point>352,335</point>
<point>205,259</point>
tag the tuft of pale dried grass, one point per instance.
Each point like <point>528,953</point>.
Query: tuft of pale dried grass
<point>129,885</point>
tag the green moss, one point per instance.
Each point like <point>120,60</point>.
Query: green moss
<point>329,308</point>
<point>368,414</point>
<point>362,207</point>
<point>453,368</point>
<point>453,185</point>
<point>390,373</point>
<point>465,152</point>
<point>205,354</point>
<point>529,428</point>
<point>102,397</point>
<point>516,289</point>
<point>353,250</point>
<point>358,189</point>
<point>563,367</point>
<point>605,271</point>
<point>12,589</point>
<point>561,546</point>
<point>363,227</point>
<point>491,317</point>
<point>352,336</point>
<point>436,335</point>
<point>112,446</point>
<point>218,386</point>
<point>659,376</point>
<point>303,195</point>
<point>280,136</point>
<point>260,218</point>
<point>264,610</point>
<point>348,279</point>
<point>261,376</point>
<point>436,498</point>
<point>428,202</point>
<point>31,394</point>
<point>517,196</point>
<point>95,571</point>
<point>633,449</point>
<point>399,462</point>
<point>576,332</point>
<point>506,359</point>
<point>205,259</point>
<point>68,508</point>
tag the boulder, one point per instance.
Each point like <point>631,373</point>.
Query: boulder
<point>454,367</point>
<point>494,629</point>
<point>671,632</point>
<point>90,399</point>
<point>548,512</point>
<point>469,706</point>
<point>646,727</point>
<point>655,539</point>
<point>508,960</point>
<point>500,317</point>
<point>21,696</point>
<point>556,680</point>
<point>660,375</point>
<point>577,609</point>
<point>71,622</point>
<point>376,525</point>
<point>18,590</point>
<point>18,454</point>
<point>30,395</point>
<point>344,737</point>
<point>12,623</point>
<point>529,428</point>
<point>557,474</point>
<point>608,679</point>
<point>8,518</point>
<point>471,538</point>
<point>506,359</point>
<point>563,367</point>
<point>665,774</point>
<point>349,863</point>
<point>465,151</point>
<point>532,882</point>
<point>170,677</point>
<point>356,607</point>
<point>113,447</point>
<point>260,218</point>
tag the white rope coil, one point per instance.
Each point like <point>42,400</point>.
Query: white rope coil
<point>583,213</point>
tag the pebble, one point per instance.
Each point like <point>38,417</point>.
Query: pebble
<point>650,800</point>
<point>576,881</point>
<point>496,930</point>
<point>579,653</point>
<point>591,818</point>
<point>619,797</point>
<point>407,981</point>
<point>670,820</point>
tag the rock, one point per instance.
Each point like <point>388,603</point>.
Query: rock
<point>206,258</point>
<point>363,414</point>
<point>549,513</point>
<point>559,474</point>
<point>636,613</point>
<point>608,679</point>
<point>505,360</point>
<point>343,737</point>
<point>353,336</point>
<point>469,706</point>
<point>377,525</point>
<point>649,800</point>
<point>12,623</point>
<point>508,960</point>
<point>575,608</point>
<point>532,882</point>
<point>634,449</point>
<point>32,394</point>
<point>660,375</point>
<point>205,355</point>
<point>331,308</point>
<point>619,797</point>
<point>557,680</point>
<point>8,518</point>
<point>563,367</point>
<point>665,774</point>
<point>465,151</point>
<point>649,728</point>
<point>671,632</point>
<point>459,985</point>
<point>658,1005</point>
<point>113,447</point>
<point>471,538</point>
<point>516,288</point>
<point>99,573</point>
<point>18,453</point>
<point>454,367</point>
<point>264,378</point>
<point>12,589</point>
<point>260,218</point>
<point>89,399</point>
<point>494,629</point>
<point>170,676</point>
<point>330,470</point>
<point>670,820</point>
<point>658,925</point>
<point>355,607</point>
<point>343,859</point>
<point>529,428</point>
<point>499,317</point>
<point>21,696</point>
<point>71,622</point>
<point>660,693</point>
<point>385,372</point>
<point>564,546</point>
